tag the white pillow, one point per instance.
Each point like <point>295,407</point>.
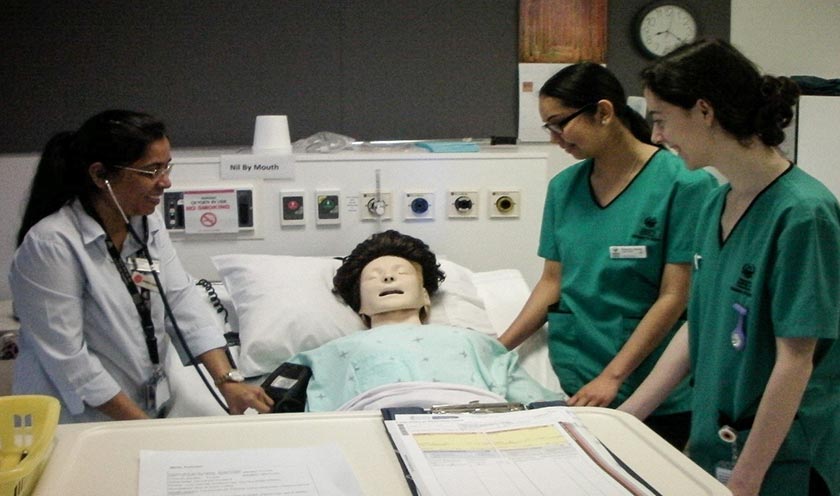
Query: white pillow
<point>285,305</point>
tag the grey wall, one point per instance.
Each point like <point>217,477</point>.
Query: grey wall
<point>371,69</point>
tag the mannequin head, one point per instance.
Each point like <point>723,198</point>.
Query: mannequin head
<point>400,266</point>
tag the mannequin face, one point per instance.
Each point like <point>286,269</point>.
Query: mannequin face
<point>389,284</point>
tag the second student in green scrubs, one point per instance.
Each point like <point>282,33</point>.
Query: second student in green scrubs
<point>764,318</point>
<point>616,239</point>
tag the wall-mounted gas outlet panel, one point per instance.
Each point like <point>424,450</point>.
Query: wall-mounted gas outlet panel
<point>504,203</point>
<point>376,205</point>
<point>462,204</point>
<point>173,208</point>
<point>418,205</point>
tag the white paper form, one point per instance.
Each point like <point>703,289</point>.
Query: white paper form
<point>533,452</point>
<point>531,78</point>
<point>309,471</point>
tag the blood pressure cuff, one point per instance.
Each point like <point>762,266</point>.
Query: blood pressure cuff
<point>287,387</point>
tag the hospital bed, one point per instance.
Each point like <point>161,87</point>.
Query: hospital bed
<point>280,305</point>
<point>289,298</point>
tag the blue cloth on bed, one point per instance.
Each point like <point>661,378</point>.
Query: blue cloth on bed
<point>346,367</point>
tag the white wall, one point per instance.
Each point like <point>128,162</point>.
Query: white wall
<point>482,244</point>
<point>787,37</point>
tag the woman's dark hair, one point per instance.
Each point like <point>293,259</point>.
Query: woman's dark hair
<point>113,137</point>
<point>580,84</point>
<point>746,104</point>
<point>388,243</point>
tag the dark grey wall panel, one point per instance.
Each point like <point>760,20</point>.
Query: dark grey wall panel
<point>372,69</point>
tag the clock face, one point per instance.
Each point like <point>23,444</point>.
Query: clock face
<point>664,28</point>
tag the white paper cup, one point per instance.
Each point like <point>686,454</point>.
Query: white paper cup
<point>271,134</point>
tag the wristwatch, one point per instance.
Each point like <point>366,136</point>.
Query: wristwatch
<point>233,375</point>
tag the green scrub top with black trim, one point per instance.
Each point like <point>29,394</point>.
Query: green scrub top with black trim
<point>613,258</point>
<point>776,275</point>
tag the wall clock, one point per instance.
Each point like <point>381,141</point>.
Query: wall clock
<point>663,26</point>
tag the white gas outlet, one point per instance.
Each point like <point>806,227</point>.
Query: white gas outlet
<point>376,206</point>
<point>504,203</point>
<point>419,206</point>
<point>462,204</point>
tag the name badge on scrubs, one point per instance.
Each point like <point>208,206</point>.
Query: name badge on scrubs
<point>157,392</point>
<point>628,251</point>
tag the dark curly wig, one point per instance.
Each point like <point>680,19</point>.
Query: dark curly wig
<point>388,243</point>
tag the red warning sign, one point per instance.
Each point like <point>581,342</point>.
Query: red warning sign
<point>208,219</point>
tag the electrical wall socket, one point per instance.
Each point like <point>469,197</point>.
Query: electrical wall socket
<point>462,204</point>
<point>292,211</point>
<point>328,207</point>
<point>376,206</point>
<point>504,203</point>
<point>419,205</point>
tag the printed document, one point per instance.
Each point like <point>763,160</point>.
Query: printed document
<point>311,471</point>
<point>530,452</point>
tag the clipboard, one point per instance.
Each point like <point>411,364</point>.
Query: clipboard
<point>390,414</point>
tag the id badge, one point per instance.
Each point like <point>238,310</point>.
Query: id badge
<point>142,273</point>
<point>723,468</point>
<point>157,393</point>
<point>723,471</point>
<point>639,252</point>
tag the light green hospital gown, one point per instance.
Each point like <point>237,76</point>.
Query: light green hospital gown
<point>781,263</point>
<point>606,290</point>
<point>346,367</point>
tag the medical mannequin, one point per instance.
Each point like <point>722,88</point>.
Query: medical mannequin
<point>93,325</point>
<point>388,280</point>
<point>408,262</point>
<point>391,291</point>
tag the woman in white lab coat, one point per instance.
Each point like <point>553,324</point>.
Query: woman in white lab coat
<point>84,279</point>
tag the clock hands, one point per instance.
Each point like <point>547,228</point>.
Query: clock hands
<point>668,31</point>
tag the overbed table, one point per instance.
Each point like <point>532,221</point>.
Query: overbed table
<point>103,458</point>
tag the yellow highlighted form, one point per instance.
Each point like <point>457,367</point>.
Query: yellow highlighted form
<point>529,437</point>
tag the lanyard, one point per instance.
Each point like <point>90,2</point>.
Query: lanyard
<point>140,297</point>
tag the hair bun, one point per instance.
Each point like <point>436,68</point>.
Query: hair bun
<point>779,95</point>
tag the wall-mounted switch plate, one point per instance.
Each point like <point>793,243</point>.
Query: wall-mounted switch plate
<point>328,207</point>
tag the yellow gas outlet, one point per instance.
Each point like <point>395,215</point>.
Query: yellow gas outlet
<point>504,204</point>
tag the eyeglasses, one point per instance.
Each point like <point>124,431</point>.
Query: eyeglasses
<point>155,173</point>
<point>557,126</point>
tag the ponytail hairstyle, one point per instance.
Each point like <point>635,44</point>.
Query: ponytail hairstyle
<point>581,84</point>
<point>113,137</point>
<point>746,104</point>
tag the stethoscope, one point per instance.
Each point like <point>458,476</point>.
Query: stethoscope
<point>167,308</point>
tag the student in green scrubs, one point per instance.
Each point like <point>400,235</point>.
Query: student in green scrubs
<point>616,239</point>
<point>764,311</point>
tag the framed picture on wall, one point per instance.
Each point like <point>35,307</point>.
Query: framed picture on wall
<point>562,31</point>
